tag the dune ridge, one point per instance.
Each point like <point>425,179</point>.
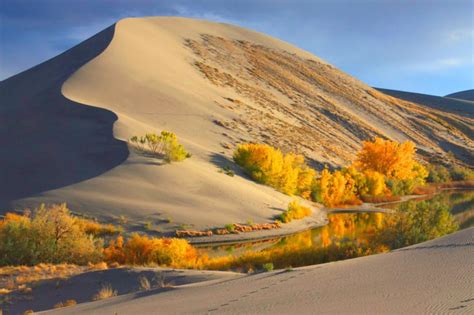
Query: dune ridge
<point>214,85</point>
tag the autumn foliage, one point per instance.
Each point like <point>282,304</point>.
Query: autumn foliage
<point>382,170</point>
<point>144,250</point>
<point>295,211</point>
<point>287,173</point>
<point>47,235</point>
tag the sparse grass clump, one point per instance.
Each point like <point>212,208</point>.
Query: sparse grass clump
<point>230,227</point>
<point>165,145</point>
<point>144,283</point>
<point>295,211</point>
<point>267,267</point>
<point>105,292</point>
<point>65,304</point>
<point>228,171</point>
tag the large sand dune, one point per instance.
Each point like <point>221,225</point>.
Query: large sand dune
<point>434,277</point>
<point>66,121</point>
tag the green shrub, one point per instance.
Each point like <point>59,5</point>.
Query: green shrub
<point>438,174</point>
<point>166,145</point>
<point>230,227</point>
<point>267,267</point>
<point>461,173</point>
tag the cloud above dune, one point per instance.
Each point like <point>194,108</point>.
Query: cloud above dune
<point>384,43</point>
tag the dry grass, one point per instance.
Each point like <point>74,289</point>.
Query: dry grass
<point>144,283</point>
<point>65,304</point>
<point>105,292</point>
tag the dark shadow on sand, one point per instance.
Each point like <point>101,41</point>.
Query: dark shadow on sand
<point>48,141</point>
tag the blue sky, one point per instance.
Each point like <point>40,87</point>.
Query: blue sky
<point>424,46</point>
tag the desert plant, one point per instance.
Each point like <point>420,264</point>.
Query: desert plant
<point>105,292</point>
<point>230,227</point>
<point>65,304</point>
<point>165,145</point>
<point>228,171</point>
<point>49,235</point>
<point>148,225</point>
<point>144,283</point>
<point>267,267</point>
<point>295,211</point>
<point>287,173</point>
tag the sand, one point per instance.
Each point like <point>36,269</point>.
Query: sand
<point>65,123</point>
<point>82,287</point>
<point>429,278</point>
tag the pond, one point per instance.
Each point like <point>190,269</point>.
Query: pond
<point>349,235</point>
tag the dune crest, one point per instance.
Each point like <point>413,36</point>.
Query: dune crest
<point>217,85</point>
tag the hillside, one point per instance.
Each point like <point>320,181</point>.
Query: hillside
<point>67,120</point>
<point>463,107</point>
<point>467,95</point>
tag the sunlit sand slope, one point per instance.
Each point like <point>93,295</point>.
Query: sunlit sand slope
<point>434,277</point>
<point>214,85</point>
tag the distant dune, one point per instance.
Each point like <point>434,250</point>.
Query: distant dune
<point>467,95</point>
<point>65,122</point>
<point>448,103</point>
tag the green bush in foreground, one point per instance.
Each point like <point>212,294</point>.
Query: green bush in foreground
<point>166,144</point>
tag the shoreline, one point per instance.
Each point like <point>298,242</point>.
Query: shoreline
<point>317,219</point>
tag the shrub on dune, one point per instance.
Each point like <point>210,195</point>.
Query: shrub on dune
<point>287,173</point>
<point>165,144</point>
<point>295,211</point>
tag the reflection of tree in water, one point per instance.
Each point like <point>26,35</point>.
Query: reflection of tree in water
<point>353,235</point>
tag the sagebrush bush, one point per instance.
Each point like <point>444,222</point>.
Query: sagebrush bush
<point>48,235</point>
<point>165,145</point>
<point>295,211</point>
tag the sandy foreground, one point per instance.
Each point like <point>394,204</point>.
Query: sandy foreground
<point>432,277</point>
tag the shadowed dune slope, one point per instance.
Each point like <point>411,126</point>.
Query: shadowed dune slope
<point>448,103</point>
<point>467,95</point>
<point>49,141</point>
<point>215,85</point>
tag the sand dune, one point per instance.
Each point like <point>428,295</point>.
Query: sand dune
<point>66,122</point>
<point>446,103</point>
<point>429,278</point>
<point>467,95</point>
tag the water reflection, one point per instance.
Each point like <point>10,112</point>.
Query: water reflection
<point>354,234</point>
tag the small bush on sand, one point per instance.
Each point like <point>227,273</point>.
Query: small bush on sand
<point>229,227</point>
<point>105,292</point>
<point>65,304</point>
<point>144,283</point>
<point>165,145</point>
<point>294,212</point>
<point>267,267</point>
